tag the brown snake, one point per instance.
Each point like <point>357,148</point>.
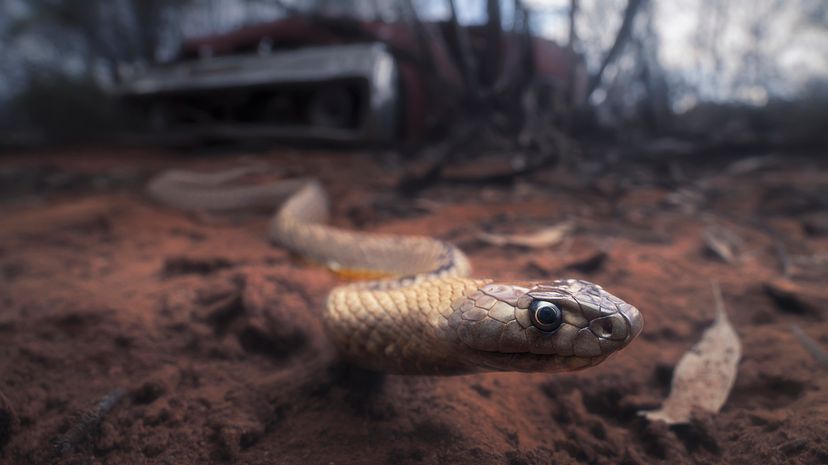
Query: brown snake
<point>430,318</point>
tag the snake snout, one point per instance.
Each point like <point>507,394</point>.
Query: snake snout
<point>613,327</point>
<point>623,326</point>
<point>610,333</point>
<point>634,320</point>
<point>611,323</point>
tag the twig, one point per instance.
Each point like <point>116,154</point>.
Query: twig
<point>778,246</point>
<point>780,250</point>
<point>718,300</point>
<point>518,67</point>
<point>432,53</point>
<point>573,30</point>
<point>782,254</point>
<point>570,48</point>
<point>810,345</point>
<point>88,422</point>
<point>493,32</point>
<point>466,55</point>
<point>423,44</point>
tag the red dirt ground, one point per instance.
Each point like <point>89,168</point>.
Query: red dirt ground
<point>206,343</point>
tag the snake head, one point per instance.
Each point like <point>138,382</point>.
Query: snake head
<point>543,326</point>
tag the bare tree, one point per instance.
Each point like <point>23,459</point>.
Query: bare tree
<point>494,28</point>
<point>465,54</point>
<point>621,39</point>
<point>570,48</point>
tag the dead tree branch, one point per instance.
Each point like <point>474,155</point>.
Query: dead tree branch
<point>494,29</point>
<point>517,68</point>
<point>570,49</point>
<point>573,31</point>
<point>468,62</point>
<point>420,33</point>
<point>624,33</point>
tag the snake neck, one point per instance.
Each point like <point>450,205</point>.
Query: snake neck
<point>398,324</point>
<point>402,329</point>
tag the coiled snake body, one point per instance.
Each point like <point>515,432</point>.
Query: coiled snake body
<point>430,317</point>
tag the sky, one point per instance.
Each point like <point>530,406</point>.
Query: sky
<point>796,51</point>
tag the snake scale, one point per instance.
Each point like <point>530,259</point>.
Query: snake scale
<point>429,317</point>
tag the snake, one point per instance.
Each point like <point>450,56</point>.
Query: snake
<point>423,313</point>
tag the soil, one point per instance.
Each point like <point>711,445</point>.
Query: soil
<point>131,333</point>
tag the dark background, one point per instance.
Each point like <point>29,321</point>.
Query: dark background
<point>703,72</point>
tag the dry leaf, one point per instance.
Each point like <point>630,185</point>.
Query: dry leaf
<point>705,374</point>
<point>545,237</point>
<point>722,243</point>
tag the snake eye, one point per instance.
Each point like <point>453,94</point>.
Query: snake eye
<point>546,316</point>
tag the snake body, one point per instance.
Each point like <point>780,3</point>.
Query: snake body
<point>430,317</point>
